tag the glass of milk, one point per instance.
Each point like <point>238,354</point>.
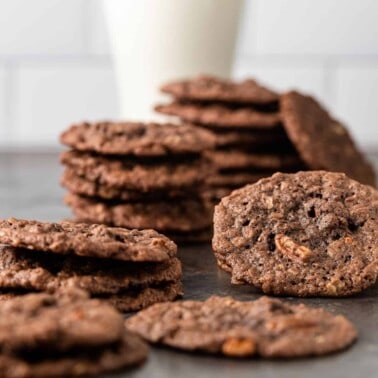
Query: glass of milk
<point>155,41</point>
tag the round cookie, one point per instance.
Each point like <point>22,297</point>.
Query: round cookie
<point>40,271</point>
<point>82,186</point>
<point>211,88</point>
<point>58,322</point>
<point>236,159</point>
<point>305,234</point>
<point>91,240</point>
<point>129,175</point>
<point>179,215</point>
<point>266,327</point>
<point>221,116</point>
<point>141,139</point>
<point>129,351</point>
<point>322,142</point>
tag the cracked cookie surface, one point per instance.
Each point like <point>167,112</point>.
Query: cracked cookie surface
<point>305,234</point>
<point>266,327</point>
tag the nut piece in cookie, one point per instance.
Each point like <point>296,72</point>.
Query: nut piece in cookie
<point>266,327</point>
<point>305,234</point>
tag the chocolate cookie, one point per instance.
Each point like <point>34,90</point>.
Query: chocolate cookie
<point>210,88</point>
<point>322,142</point>
<point>235,179</point>
<point>82,186</point>
<point>266,327</point>
<point>220,116</point>
<point>129,351</point>
<point>145,297</point>
<point>58,322</point>
<point>87,240</point>
<point>125,174</point>
<point>306,234</point>
<point>139,139</point>
<point>179,215</point>
<point>236,159</point>
<point>21,269</point>
<point>262,140</point>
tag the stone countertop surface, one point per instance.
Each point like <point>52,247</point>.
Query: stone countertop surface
<point>29,188</point>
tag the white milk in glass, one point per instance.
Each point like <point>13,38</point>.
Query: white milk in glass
<point>155,41</point>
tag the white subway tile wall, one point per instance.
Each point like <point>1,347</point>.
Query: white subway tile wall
<point>55,64</point>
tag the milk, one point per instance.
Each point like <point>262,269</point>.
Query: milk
<point>155,41</point>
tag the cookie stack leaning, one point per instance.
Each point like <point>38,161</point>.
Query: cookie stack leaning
<point>140,176</point>
<point>130,269</point>
<point>251,142</point>
<point>64,335</point>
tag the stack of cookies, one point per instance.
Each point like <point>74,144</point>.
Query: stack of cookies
<point>64,335</point>
<point>130,269</point>
<point>250,139</point>
<point>139,176</point>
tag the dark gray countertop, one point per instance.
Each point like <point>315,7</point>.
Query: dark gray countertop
<point>29,188</point>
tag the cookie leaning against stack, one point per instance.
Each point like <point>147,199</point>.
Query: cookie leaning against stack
<point>138,175</point>
<point>266,327</point>
<point>64,335</point>
<point>131,269</point>
<point>306,234</point>
<point>250,140</point>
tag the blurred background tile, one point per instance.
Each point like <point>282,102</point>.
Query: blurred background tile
<point>50,98</point>
<point>41,27</point>
<point>330,27</point>
<point>55,64</point>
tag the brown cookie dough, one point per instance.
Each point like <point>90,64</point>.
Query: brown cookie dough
<point>130,350</point>
<point>178,215</point>
<point>322,142</point>
<point>92,240</point>
<point>220,116</point>
<point>306,234</point>
<point>266,327</point>
<point>210,88</point>
<point>236,159</point>
<point>125,174</point>
<point>141,139</point>
<point>59,322</point>
<point>40,271</point>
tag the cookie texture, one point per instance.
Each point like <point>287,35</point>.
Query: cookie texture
<point>127,174</point>
<point>266,327</point>
<point>262,140</point>
<point>145,297</point>
<point>322,142</point>
<point>64,334</point>
<point>130,351</point>
<point>234,159</point>
<point>57,322</point>
<point>40,271</point>
<point>221,116</point>
<point>91,240</point>
<point>211,88</point>
<point>82,186</point>
<point>305,234</point>
<point>138,139</point>
<point>180,215</point>
<point>234,179</point>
